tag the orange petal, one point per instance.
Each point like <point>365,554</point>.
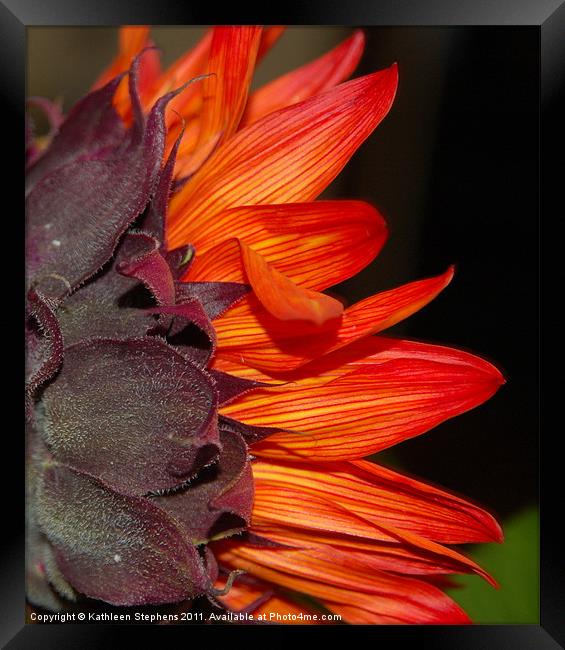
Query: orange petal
<point>380,555</point>
<point>289,156</point>
<point>368,351</point>
<point>284,299</point>
<point>246,372</point>
<point>213,107</point>
<point>373,350</point>
<point>295,512</point>
<point>186,67</point>
<point>230,65</point>
<point>280,296</point>
<point>248,336</point>
<point>365,411</point>
<point>316,244</point>
<point>385,498</point>
<point>278,504</point>
<point>335,577</point>
<point>304,82</point>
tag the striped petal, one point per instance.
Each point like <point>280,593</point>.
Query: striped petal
<point>284,514</point>
<point>231,63</point>
<point>284,299</point>
<point>248,336</point>
<point>290,156</point>
<point>316,244</point>
<point>409,559</point>
<point>384,498</point>
<point>338,578</point>
<point>365,411</point>
<point>368,351</point>
<point>308,80</point>
<point>380,555</point>
<point>245,372</point>
<point>279,296</point>
<point>189,104</point>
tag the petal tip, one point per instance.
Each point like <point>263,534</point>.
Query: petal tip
<point>499,533</point>
<point>358,39</point>
<point>492,529</point>
<point>494,377</point>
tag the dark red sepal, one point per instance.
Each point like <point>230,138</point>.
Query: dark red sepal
<point>77,213</point>
<point>219,500</point>
<point>135,414</point>
<point>191,332</point>
<point>92,125</point>
<point>110,305</point>
<point>41,568</point>
<point>124,550</point>
<point>249,432</point>
<point>155,218</point>
<point>215,297</point>
<point>150,267</point>
<point>229,386</point>
<point>211,564</point>
<point>44,343</point>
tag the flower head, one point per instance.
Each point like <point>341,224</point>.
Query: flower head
<point>197,406</point>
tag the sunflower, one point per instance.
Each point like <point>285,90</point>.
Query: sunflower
<point>199,411</point>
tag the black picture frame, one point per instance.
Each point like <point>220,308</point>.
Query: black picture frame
<point>549,17</point>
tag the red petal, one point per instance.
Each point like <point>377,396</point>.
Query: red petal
<point>247,336</point>
<point>290,516</point>
<point>279,295</point>
<point>284,299</point>
<point>304,82</point>
<point>230,65</point>
<point>290,156</point>
<point>368,351</point>
<point>365,411</point>
<point>338,578</point>
<point>385,498</point>
<point>427,559</point>
<point>316,244</point>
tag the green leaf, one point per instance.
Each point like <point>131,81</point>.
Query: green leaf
<point>515,566</point>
